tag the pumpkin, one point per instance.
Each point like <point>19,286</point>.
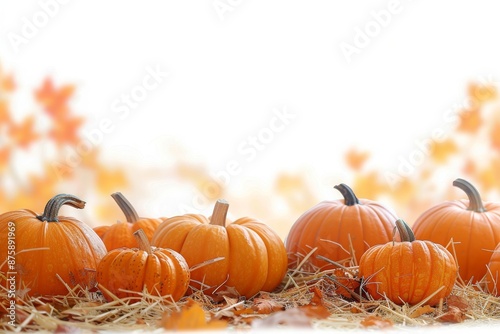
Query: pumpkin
<point>246,254</point>
<point>410,271</point>
<point>157,271</point>
<point>339,229</point>
<point>121,234</point>
<point>49,249</point>
<point>493,273</point>
<point>472,225</point>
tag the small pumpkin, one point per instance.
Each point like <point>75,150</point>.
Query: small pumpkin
<point>246,254</point>
<point>492,277</point>
<point>473,226</point>
<point>121,234</point>
<point>339,228</point>
<point>49,249</point>
<point>159,271</point>
<point>409,271</point>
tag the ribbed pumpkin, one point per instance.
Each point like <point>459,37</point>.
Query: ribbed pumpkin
<point>338,228</point>
<point>121,234</point>
<point>48,246</point>
<point>473,225</point>
<point>158,271</point>
<point>251,256</point>
<point>409,271</point>
<point>493,273</point>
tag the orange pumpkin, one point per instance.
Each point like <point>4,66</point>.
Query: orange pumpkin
<point>121,234</point>
<point>46,250</point>
<point>493,273</point>
<point>339,228</point>
<point>245,254</point>
<point>409,271</point>
<point>158,271</point>
<point>472,225</point>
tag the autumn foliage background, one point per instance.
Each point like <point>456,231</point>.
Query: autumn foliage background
<point>43,153</point>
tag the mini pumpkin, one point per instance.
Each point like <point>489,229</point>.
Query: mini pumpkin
<point>246,254</point>
<point>410,271</point>
<point>339,228</point>
<point>159,271</point>
<point>46,250</point>
<point>121,234</point>
<point>472,225</point>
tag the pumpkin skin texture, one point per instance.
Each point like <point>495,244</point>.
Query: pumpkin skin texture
<point>159,271</point>
<point>333,226</point>
<point>48,245</point>
<point>493,273</point>
<point>409,271</point>
<point>121,234</point>
<point>473,226</point>
<point>246,254</point>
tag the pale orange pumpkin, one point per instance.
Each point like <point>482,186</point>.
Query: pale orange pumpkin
<point>246,254</point>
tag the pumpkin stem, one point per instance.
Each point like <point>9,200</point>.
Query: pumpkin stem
<point>143,241</point>
<point>51,211</point>
<point>475,203</point>
<point>347,193</point>
<point>220,212</point>
<point>405,231</point>
<point>128,210</point>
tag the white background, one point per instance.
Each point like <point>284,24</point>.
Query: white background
<point>230,65</point>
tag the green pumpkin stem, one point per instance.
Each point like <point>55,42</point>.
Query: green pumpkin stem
<point>347,193</point>
<point>475,203</point>
<point>404,231</point>
<point>220,213</point>
<point>142,241</point>
<point>128,210</point>
<point>51,211</point>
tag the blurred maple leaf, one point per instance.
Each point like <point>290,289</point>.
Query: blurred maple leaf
<point>54,101</point>
<point>376,321</point>
<point>22,135</point>
<point>356,159</point>
<point>470,120</point>
<point>266,305</point>
<point>443,150</point>
<point>4,112</point>
<point>190,317</point>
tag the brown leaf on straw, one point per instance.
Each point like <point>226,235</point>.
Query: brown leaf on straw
<point>453,315</point>
<point>316,309</point>
<point>67,329</point>
<point>344,283</point>
<point>266,305</point>
<point>459,302</point>
<point>190,318</point>
<point>421,310</point>
<point>376,321</point>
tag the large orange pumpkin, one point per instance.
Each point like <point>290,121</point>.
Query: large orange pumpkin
<point>473,226</point>
<point>121,234</point>
<point>46,250</point>
<point>339,228</point>
<point>409,271</point>
<point>246,254</point>
<point>158,271</point>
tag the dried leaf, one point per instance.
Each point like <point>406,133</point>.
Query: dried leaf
<point>376,321</point>
<point>192,317</point>
<point>316,309</point>
<point>459,302</point>
<point>453,315</point>
<point>266,305</point>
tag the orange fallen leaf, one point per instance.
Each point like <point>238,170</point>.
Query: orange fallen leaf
<point>453,315</point>
<point>192,317</point>
<point>266,305</point>
<point>316,309</point>
<point>459,302</point>
<point>23,134</point>
<point>376,321</point>
<point>355,159</point>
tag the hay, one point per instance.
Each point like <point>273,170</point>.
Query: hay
<point>89,312</point>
